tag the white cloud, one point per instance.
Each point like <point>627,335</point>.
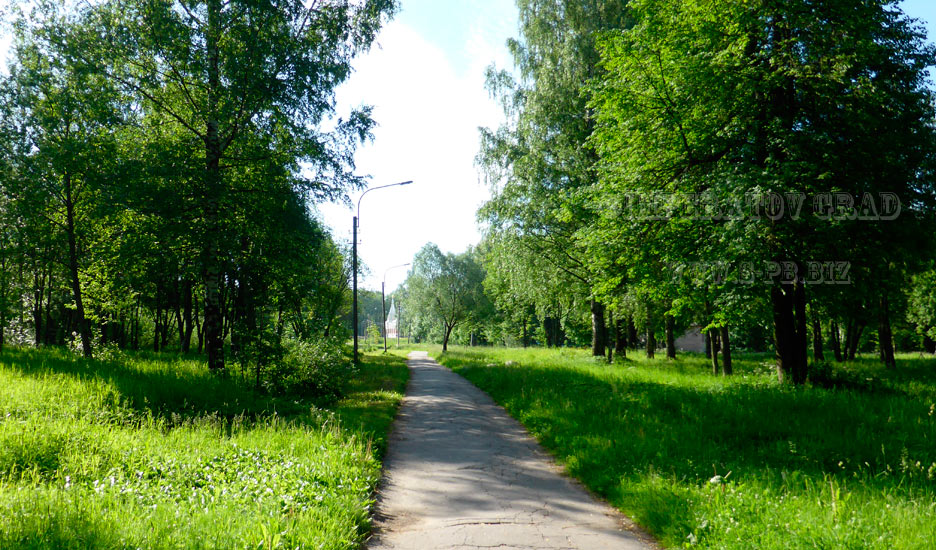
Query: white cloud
<point>429,117</point>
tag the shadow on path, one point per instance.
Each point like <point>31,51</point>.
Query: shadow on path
<point>461,474</point>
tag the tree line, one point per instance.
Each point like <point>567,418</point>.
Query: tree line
<point>160,161</point>
<point>759,169</point>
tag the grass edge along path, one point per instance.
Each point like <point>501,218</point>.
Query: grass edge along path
<point>151,451</point>
<point>741,463</point>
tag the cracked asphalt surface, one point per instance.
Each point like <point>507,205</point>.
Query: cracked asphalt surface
<point>462,474</point>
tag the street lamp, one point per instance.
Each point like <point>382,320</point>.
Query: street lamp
<point>383,303</point>
<point>354,266</point>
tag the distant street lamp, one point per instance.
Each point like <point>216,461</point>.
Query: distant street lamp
<point>354,261</point>
<point>383,303</point>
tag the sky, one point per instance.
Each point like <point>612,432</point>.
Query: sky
<point>425,79</point>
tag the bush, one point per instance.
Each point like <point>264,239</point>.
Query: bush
<point>317,370</point>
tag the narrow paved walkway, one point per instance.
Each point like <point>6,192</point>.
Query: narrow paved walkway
<point>461,474</point>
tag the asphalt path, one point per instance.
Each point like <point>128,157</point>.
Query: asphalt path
<point>460,473</point>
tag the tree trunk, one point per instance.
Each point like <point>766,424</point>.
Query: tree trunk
<point>167,319</point>
<point>523,338</point>
<point>445,339</point>
<point>123,338</point>
<point>726,352</point>
<point>670,337</point>
<point>818,354</point>
<point>789,368</point>
<point>620,338</point>
<point>651,337</point>
<point>38,294</point>
<point>48,336</point>
<point>186,343</point>
<point>885,335</point>
<point>599,332</point>
<point>83,327</point>
<point>135,329</point>
<point>779,110</point>
<point>214,338</point>
<point>177,310</point>
<point>802,331</point>
<point>632,338</point>
<point>849,336</point>
<point>713,345</point>
<point>857,329</point>
<point>238,320</point>
<point>609,345</point>
<point>548,329</point>
<point>199,331</point>
<point>280,325</point>
<point>157,320</point>
<point>331,320</point>
<point>836,341</point>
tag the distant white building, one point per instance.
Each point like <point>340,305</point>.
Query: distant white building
<point>393,322</point>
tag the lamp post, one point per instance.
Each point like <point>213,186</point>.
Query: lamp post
<point>383,303</point>
<point>354,261</point>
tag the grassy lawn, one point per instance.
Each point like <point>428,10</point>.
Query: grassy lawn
<point>154,452</point>
<point>739,463</point>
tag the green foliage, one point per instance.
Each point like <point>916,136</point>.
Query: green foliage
<point>153,451</point>
<point>922,308</point>
<point>167,150</point>
<point>313,370</point>
<point>537,163</point>
<point>729,104</point>
<point>444,291</point>
<point>734,463</point>
<point>373,332</point>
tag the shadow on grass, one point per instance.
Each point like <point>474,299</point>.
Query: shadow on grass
<point>618,428</point>
<point>176,389</point>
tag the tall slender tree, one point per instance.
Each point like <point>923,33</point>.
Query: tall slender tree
<point>537,163</point>
<point>64,114</point>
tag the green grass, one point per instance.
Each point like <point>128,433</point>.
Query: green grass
<point>739,463</point>
<point>154,452</point>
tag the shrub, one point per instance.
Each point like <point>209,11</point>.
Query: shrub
<point>317,370</point>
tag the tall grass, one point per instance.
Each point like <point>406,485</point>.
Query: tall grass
<point>154,452</point>
<point>734,463</point>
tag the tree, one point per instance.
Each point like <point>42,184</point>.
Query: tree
<point>759,99</point>
<point>444,289</point>
<point>252,83</point>
<point>537,163</point>
<point>63,115</point>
